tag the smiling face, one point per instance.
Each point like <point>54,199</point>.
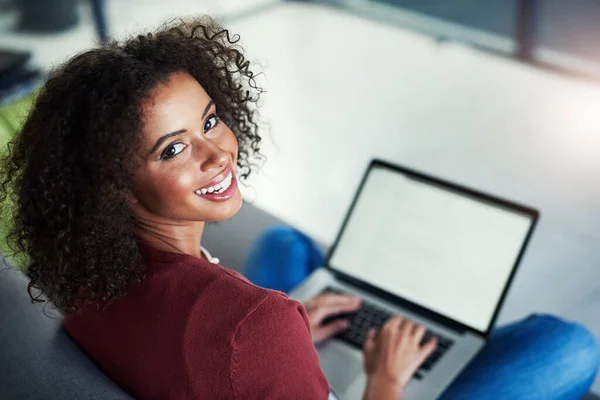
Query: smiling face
<point>188,156</point>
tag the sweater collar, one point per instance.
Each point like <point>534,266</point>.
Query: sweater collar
<point>150,253</point>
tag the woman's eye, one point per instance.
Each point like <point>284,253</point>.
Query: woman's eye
<point>211,122</point>
<point>172,151</point>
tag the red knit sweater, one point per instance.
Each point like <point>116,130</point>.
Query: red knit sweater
<point>195,330</point>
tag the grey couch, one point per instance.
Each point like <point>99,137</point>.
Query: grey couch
<point>38,360</point>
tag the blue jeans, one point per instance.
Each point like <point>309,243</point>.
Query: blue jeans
<point>541,357</point>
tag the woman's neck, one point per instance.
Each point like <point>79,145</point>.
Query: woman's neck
<point>176,237</point>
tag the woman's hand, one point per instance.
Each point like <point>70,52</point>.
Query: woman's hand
<point>392,356</point>
<point>327,305</point>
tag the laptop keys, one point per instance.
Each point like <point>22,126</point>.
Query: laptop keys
<point>370,316</point>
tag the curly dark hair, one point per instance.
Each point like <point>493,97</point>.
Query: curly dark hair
<point>70,167</point>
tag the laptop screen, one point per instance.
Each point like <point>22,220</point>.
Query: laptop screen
<point>436,247</point>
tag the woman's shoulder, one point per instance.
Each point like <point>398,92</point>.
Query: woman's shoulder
<point>195,279</point>
<point>212,298</point>
<point>212,295</point>
<point>232,298</point>
<point>207,284</point>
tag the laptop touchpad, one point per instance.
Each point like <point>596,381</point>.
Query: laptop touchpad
<point>340,364</point>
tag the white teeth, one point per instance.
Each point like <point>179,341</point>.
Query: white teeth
<point>219,187</point>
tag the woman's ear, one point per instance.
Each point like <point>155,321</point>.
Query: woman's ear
<point>135,205</point>
<point>132,199</point>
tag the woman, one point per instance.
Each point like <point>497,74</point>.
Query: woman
<point>127,152</point>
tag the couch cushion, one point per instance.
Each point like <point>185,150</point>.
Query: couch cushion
<point>38,360</point>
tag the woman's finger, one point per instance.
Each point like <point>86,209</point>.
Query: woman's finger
<point>331,299</point>
<point>370,351</point>
<point>319,312</point>
<point>321,333</point>
<point>390,330</point>
<point>406,329</point>
<point>428,348</point>
<point>418,333</point>
<point>393,323</point>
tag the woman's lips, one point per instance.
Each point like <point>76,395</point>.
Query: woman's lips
<point>219,184</point>
<point>222,196</point>
<point>220,178</point>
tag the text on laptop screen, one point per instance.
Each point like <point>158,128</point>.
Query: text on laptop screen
<point>437,248</point>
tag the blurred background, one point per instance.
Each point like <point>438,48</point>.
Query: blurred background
<point>501,95</point>
<point>551,34</point>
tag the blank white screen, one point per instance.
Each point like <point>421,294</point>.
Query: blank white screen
<point>446,252</point>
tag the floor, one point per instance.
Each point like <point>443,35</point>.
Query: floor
<point>554,169</point>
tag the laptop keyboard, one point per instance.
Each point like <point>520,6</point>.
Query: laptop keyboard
<point>370,316</point>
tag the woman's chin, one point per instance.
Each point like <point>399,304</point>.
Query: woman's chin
<point>221,211</point>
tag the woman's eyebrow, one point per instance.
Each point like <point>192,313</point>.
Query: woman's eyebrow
<point>208,106</point>
<point>162,139</point>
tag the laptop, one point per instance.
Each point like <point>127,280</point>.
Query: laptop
<point>435,252</point>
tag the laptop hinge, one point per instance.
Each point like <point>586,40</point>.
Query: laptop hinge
<point>405,304</point>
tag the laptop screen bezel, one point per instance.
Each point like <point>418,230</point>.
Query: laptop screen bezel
<point>452,187</point>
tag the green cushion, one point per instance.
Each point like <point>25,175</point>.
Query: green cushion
<point>12,117</point>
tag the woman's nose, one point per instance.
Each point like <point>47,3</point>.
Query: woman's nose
<point>214,157</point>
